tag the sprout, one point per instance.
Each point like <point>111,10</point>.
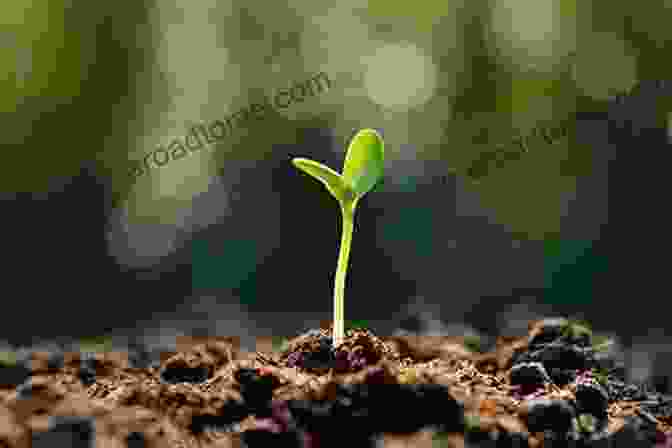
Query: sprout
<point>363,168</point>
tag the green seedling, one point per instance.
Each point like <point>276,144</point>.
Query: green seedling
<point>362,170</point>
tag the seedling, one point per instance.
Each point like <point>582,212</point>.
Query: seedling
<point>362,169</point>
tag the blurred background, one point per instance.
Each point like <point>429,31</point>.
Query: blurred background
<point>232,240</point>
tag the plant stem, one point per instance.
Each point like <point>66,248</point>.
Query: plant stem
<point>348,215</point>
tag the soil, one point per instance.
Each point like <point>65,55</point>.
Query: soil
<point>535,390</point>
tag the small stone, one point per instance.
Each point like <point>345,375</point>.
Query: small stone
<point>552,415</point>
<point>635,433</point>
<point>591,398</point>
<point>558,355</point>
<point>509,424</point>
<point>136,439</point>
<point>532,373</point>
<point>295,359</point>
<point>562,377</point>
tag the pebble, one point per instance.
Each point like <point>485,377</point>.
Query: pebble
<point>591,398</point>
<point>552,415</point>
<point>532,373</point>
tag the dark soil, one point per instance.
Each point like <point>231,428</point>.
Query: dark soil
<point>547,388</point>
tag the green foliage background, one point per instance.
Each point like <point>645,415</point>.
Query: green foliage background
<point>79,84</point>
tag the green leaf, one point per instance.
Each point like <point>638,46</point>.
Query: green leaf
<point>364,162</point>
<point>330,178</point>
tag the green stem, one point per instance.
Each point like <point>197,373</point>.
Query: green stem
<point>347,213</point>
